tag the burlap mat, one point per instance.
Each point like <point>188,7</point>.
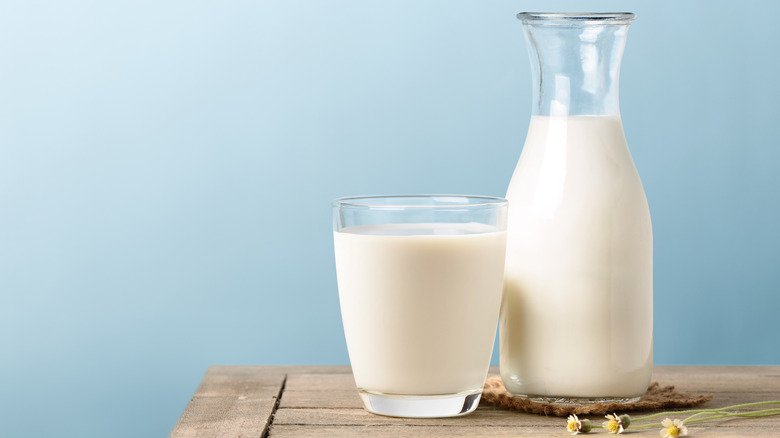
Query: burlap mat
<point>656,397</point>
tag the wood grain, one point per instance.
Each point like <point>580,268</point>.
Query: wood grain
<point>232,402</point>
<point>235,401</point>
<point>558,431</point>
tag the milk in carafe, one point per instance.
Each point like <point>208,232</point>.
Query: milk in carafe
<point>577,311</point>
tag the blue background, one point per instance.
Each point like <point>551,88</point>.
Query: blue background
<point>166,170</point>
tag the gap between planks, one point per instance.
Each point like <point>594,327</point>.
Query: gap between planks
<point>270,420</point>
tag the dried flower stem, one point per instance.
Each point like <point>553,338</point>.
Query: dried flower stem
<point>696,411</point>
<point>617,424</point>
<point>713,415</point>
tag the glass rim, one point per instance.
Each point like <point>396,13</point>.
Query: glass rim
<point>366,201</point>
<point>552,18</point>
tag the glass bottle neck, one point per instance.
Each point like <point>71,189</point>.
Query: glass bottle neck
<point>575,60</point>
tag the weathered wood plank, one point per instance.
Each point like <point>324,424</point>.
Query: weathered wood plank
<point>225,417</point>
<point>320,382</point>
<point>323,401</point>
<point>358,417</point>
<point>336,398</point>
<point>479,418</point>
<point>732,377</point>
<point>720,379</point>
<point>388,431</point>
<point>231,402</point>
<point>329,391</point>
<point>314,369</point>
<point>701,379</point>
<point>287,431</point>
<point>239,380</point>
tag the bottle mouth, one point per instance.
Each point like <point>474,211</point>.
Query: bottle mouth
<point>568,18</point>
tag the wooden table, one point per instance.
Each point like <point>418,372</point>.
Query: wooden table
<point>307,401</point>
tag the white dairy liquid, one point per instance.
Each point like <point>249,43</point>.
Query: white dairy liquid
<point>420,310</point>
<point>576,318</point>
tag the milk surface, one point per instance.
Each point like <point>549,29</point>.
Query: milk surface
<point>576,317</point>
<point>420,304</point>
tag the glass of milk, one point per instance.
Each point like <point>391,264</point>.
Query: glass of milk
<point>420,282</point>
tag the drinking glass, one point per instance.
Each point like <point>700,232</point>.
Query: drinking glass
<point>420,281</point>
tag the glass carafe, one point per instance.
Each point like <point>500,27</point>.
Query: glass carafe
<point>576,318</point>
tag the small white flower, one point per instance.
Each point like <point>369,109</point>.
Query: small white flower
<point>614,425</point>
<point>577,426</point>
<point>574,424</point>
<point>673,429</point>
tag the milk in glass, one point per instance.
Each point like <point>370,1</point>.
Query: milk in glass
<point>420,304</point>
